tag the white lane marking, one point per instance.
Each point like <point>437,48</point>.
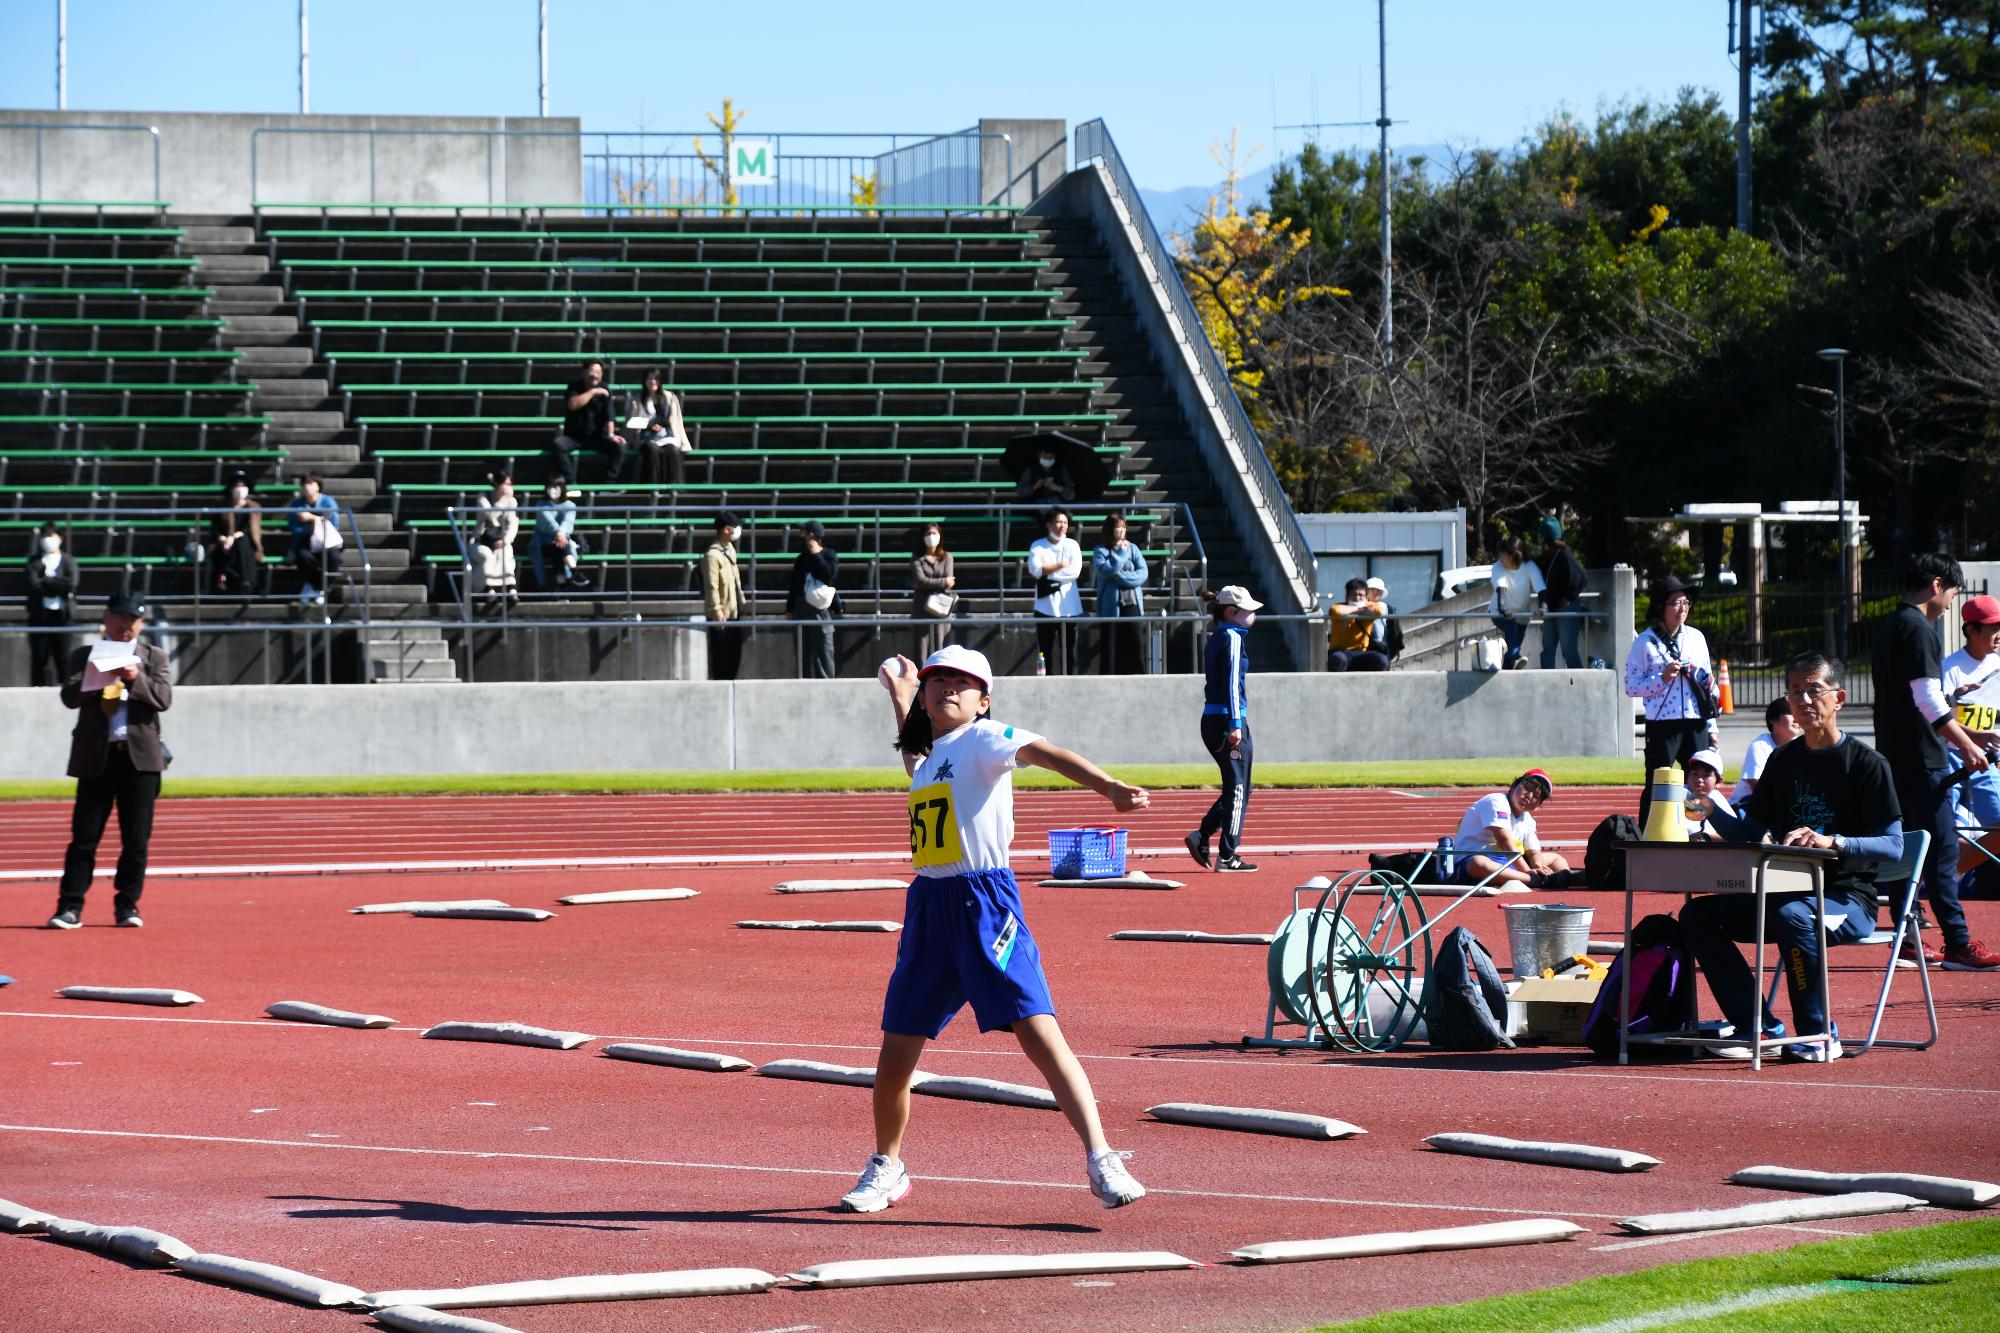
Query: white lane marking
<point>1728,1305</point>
<point>1327,1066</point>
<point>692,859</point>
<point>1930,1270</point>
<point>838,1172</point>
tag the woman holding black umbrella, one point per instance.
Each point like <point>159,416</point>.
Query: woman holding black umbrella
<point>1668,667</point>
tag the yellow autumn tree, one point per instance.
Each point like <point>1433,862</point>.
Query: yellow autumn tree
<point>718,167</point>
<point>1239,269</point>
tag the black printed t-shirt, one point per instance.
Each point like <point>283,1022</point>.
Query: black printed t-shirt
<point>1846,790</point>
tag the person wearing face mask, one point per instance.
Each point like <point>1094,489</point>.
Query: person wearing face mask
<point>236,541</point>
<point>933,588</point>
<point>314,520</point>
<point>51,603</point>
<point>1046,479</point>
<point>1668,668</point>
<point>555,542</point>
<point>492,568</point>
<point>722,598</point>
<point>1055,562</point>
<point>1121,579</point>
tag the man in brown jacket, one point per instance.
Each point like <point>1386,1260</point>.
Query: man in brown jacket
<point>722,599</point>
<point>116,757</point>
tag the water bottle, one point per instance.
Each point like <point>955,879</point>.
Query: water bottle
<point>1446,864</point>
<point>1041,664</point>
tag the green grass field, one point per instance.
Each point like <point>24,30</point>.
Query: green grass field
<point>1585,772</point>
<point>1936,1277</point>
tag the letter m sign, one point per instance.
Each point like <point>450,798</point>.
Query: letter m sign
<point>753,162</point>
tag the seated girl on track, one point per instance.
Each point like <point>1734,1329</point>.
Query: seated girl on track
<point>963,938</point>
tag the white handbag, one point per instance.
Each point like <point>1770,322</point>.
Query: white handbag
<point>819,596</point>
<point>939,604</point>
<point>1488,654</point>
<point>326,535</point>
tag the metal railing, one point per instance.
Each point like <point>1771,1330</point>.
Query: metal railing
<point>1093,142</point>
<point>41,129</point>
<point>888,529</point>
<point>662,171</point>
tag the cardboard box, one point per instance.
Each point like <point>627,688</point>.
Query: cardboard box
<point>1552,1010</point>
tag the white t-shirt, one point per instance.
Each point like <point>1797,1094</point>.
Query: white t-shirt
<point>1062,561</point>
<point>1484,814</point>
<point>1961,669</point>
<point>1514,590</point>
<point>1754,759</point>
<point>1715,802</point>
<point>962,799</point>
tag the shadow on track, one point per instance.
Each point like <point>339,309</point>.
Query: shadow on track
<point>418,1210</point>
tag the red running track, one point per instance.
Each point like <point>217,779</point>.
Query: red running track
<point>397,833</point>
<point>382,1160</point>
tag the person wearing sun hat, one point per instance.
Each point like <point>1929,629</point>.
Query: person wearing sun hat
<point>965,937</point>
<point>1704,794</point>
<point>1969,679</point>
<point>115,755</point>
<point>1225,726</point>
<point>1497,843</point>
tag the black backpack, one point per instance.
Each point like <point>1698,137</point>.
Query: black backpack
<point>1465,1002</point>
<point>1662,992</point>
<point>1603,864</point>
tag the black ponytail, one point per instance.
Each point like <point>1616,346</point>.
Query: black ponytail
<point>1215,608</point>
<point>916,733</point>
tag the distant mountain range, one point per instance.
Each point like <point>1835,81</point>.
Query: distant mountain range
<point>1177,210</point>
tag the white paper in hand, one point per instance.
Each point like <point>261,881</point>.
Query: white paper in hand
<point>106,657</point>
<point>637,423</point>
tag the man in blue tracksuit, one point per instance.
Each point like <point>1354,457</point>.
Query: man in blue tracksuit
<point>1225,725</point>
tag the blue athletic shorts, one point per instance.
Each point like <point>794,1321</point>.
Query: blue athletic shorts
<point>964,940</point>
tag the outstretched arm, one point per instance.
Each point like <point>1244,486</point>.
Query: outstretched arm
<point>1071,765</point>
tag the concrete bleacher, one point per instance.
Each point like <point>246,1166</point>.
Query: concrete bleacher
<point>867,371</point>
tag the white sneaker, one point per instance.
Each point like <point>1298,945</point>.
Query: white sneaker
<point>882,1183</point>
<point>1111,1182</point>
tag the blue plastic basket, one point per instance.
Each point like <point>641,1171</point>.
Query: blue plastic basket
<point>1086,853</point>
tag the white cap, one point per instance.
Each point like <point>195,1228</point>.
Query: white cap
<point>1710,757</point>
<point>1378,585</point>
<point>1235,595</point>
<point>954,657</point>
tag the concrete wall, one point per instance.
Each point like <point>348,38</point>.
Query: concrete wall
<point>1039,159</point>
<point>769,724</point>
<point>205,159</point>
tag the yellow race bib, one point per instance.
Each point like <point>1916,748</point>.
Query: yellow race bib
<point>933,827</point>
<point>1977,717</point>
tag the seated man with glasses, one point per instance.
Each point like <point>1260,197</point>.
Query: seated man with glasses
<point>1825,790</point>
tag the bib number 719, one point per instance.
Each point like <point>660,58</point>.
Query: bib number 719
<point>933,829</point>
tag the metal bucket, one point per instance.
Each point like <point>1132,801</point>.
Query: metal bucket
<point>1543,934</point>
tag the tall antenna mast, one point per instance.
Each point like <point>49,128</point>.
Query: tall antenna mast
<point>62,55</point>
<point>542,48</point>
<point>305,65</point>
<point>1382,124</point>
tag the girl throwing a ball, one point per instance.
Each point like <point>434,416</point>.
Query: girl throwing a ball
<point>964,939</point>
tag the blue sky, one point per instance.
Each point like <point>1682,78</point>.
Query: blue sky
<point>1168,77</point>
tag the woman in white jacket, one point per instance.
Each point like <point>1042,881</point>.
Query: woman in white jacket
<point>492,564</point>
<point>1055,562</point>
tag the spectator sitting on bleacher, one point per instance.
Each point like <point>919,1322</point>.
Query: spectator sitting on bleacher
<point>555,541</point>
<point>51,602</point>
<point>1386,635</point>
<point>1045,479</point>
<point>814,597</point>
<point>1496,842</point>
<point>236,540</point>
<point>587,425</point>
<point>1779,730</point>
<point>314,520</point>
<point>1350,635</point>
<point>654,414</point>
<point>492,569</point>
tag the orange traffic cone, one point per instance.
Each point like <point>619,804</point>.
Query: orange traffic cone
<point>1724,700</point>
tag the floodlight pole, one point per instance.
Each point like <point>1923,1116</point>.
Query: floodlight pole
<point>1382,123</point>
<point>1838,355</point>
<point>1745,52</point>
<point>542,49</point>
<point>305,65</point>
<point>62,55</point>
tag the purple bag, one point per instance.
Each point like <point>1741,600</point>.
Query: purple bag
<point>1662,992</point>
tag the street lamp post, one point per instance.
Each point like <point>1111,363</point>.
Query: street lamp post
<point>1838,355</point>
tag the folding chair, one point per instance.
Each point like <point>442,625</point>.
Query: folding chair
<point>1915,846</point>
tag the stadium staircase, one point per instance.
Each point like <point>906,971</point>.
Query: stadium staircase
<point>866,371</point>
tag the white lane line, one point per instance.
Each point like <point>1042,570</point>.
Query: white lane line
<point>694,859</point>
<point>836,1172</point>
<point>1289,1066</point>
<point>1716,1309</point>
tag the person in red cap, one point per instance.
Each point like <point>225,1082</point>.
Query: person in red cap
<point>1497,840</point>
<point>1970,682</point>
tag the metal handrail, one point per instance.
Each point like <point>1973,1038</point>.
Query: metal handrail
<point>1093,141</point>
<point>40,126</point>
<point>896,143</point>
